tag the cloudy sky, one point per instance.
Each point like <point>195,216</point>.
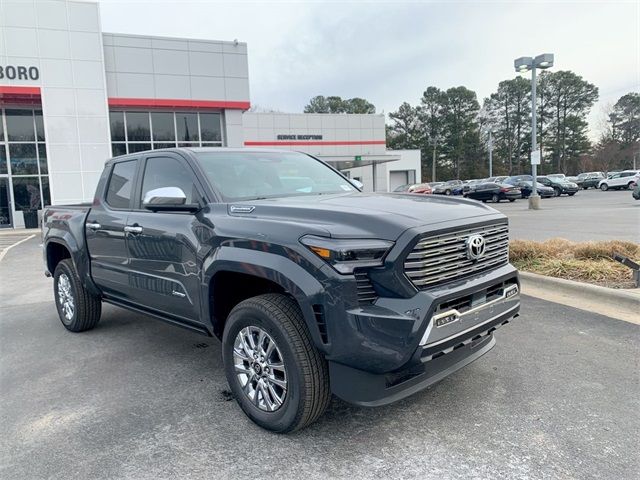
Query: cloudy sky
<point>389,52</point>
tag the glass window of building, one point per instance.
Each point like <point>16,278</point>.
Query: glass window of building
<point>24,184</point>
<point>138,131</point>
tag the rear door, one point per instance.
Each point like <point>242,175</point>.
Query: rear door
<point>105,229</point>
<point>165,247</point>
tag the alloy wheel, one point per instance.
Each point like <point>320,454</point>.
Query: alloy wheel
<point>65,297</point>
<point>259,368</point>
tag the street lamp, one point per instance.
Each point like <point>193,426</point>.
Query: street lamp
<point>524,64</point>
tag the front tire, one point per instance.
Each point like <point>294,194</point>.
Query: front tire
<point>556,192</point>
<point>78,309</point>
<point>447,192</point>
<point>495,198</point>
<point>275,372</point>
<point>512,200</point>
<point>604,187</point>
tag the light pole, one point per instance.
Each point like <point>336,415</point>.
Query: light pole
<point>434,144</point>
<point>490,154</point>
<point>524,64</point>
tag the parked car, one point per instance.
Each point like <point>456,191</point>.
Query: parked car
<point>423,188</point>
<point>312,290</point>
<point>619,180</point>
<point>403,188</point>
<point>494,192</point>
<point>560,185</point>
<point>591,180</point>
<point>452,187</point>
<point>497,179</point>
<point>556,175</point>
<point>636,191</point>
<point>469,183</point>
<point>516,178</point>
<point>526,187</point>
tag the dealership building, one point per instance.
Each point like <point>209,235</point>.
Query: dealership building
<point>72,96</point>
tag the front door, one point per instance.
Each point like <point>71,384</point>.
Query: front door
<point>164,247</point>
<point>105,230</point>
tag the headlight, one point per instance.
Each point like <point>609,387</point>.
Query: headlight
<point>344,255</point>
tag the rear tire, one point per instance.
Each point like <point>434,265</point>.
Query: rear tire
<point>604,187</point>
<point>556,192</point>
<point>303,393</point>
<point>571,194</point>
<point>447,192</point>
<point>512,199</point>
<point>78,309</point>
<point>630,186</point>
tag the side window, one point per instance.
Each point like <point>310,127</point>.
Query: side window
<point>168,172</point>
<point>121,184</point>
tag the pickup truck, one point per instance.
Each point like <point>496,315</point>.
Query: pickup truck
<point>313,287</point>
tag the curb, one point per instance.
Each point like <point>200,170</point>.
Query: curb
<point>581,294</point>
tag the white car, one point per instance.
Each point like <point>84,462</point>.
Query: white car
<point>619,180</point>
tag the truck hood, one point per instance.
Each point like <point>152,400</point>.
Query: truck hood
<point>365,215</point>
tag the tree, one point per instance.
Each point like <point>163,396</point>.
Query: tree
<point>334,104</point>
<point>570,98</point>
<point>508,113</point>
<point>405,130</point>
<point>359,105</point>
<point>431,116</point>
<point>460,129</point>
<point>625,119</point>
<point>317,104</point>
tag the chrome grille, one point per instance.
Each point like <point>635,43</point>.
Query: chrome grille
<point>443,258</point>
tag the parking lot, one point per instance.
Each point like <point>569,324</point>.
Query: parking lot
<point>588,215</point>
<point>558,397</point>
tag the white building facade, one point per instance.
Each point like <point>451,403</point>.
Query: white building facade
<point>72,96</point>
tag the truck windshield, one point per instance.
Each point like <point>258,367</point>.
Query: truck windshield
<point>255,175</point>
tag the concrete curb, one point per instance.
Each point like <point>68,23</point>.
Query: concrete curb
<point>623,304</point>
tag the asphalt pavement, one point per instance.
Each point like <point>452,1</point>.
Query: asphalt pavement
<point>588,215</point>
<point>558,397</point>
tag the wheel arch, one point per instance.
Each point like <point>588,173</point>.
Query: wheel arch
<point>235,274</point>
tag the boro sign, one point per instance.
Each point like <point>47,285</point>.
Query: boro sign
<point>19,72</point>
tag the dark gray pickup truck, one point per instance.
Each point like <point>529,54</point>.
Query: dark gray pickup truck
<point>312,286</point>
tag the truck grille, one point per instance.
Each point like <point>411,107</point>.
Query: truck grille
<point>443,258</point>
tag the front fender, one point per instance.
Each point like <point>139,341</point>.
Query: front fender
<point>282,270</point>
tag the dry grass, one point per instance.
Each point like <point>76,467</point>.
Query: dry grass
<point>589,262</point>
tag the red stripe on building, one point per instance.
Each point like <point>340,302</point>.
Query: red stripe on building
<point>314,142</point>
<point>19,95</point>
<point>176,103</point>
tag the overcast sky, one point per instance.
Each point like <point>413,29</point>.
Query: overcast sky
<point>389,52</point>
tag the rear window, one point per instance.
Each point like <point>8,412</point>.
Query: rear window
<point>121,184</point>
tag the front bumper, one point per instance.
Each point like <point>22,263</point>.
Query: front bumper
<point>390,350</point>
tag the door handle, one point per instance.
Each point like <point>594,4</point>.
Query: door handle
<point>94,226</point>
<point>130,229</point>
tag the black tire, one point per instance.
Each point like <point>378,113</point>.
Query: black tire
<point>630,186</point>
<point>585,188</point>
<point>495,198</point>
<point>86,308</point>
<point>604,187</point>
<point>512,199</point>
<point>571,194</point>
<point>556,192</point>
<point>307,373</point>
<point>447,192</point>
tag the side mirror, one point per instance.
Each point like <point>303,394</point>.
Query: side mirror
<point>357,183</point>
<point>167,199</point>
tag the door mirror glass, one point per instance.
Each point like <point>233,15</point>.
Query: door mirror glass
<point>164,198</point>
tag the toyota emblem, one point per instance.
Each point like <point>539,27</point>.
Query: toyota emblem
<point>476,247</point>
